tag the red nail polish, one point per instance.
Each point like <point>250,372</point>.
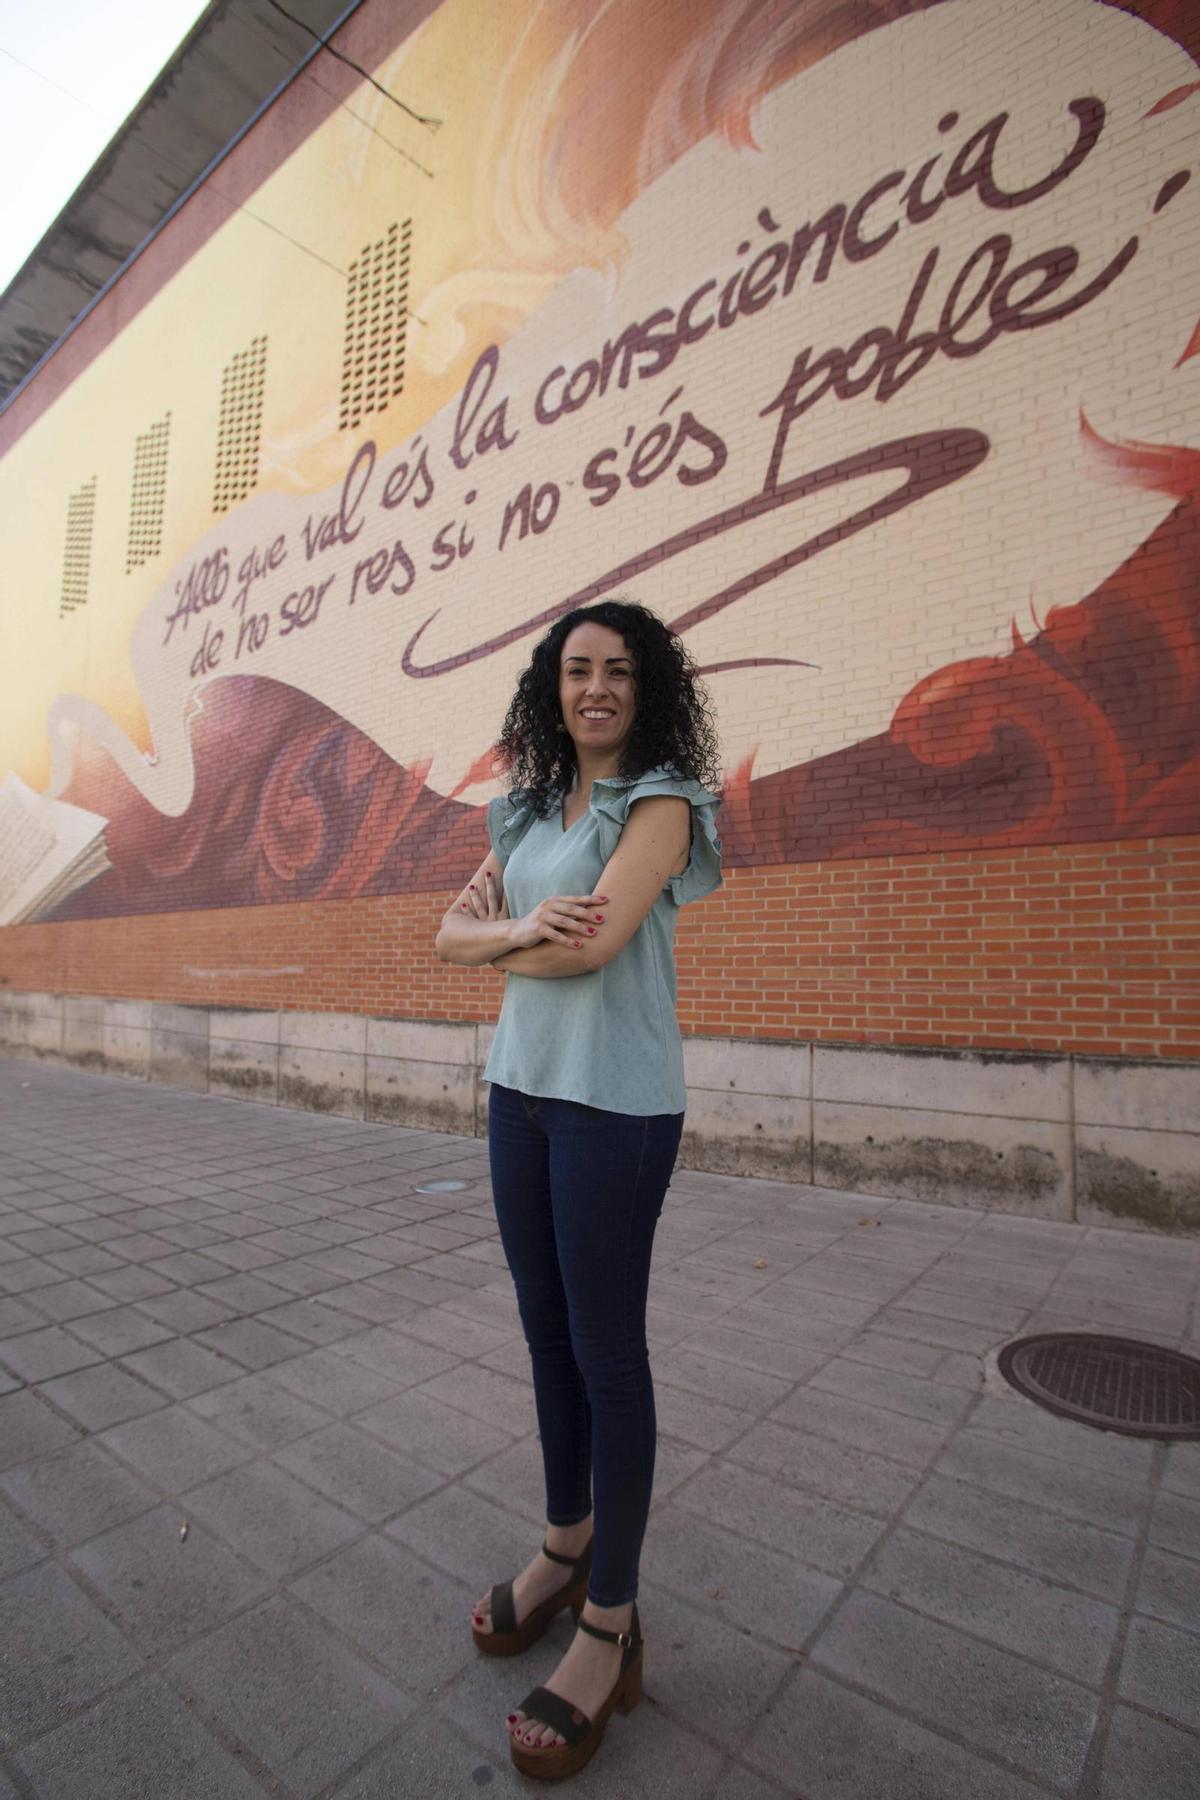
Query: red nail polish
<point>591,931</point>
<point>599,918</point>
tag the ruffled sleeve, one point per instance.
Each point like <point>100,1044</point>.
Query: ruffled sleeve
<point>612,800</point>
<point>509,817</point>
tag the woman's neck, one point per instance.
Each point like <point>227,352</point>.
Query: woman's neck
<point>589,768</point>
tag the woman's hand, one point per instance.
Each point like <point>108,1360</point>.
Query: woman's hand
<point>488,902</point>
<point>561,919</point>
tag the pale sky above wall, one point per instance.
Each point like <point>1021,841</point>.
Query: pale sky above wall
<point>70,72</point>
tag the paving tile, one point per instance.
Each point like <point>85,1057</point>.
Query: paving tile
<point>270,1674</point>
<point>411,1619</point>
<point>1169,1588</point>
<point>428,1742</point>
<point>712,1677</point>
<point>393,1352</point>
<point>173,1449</point>
<point>19,1548</point>
<point>17,1315</point>
<point>250,1342</point>
<point>410,1284</point>
<point>140,1744</point>
<point>846,1746</point>
<point>1018,1421</point>
<point>132,1283</point>
<point>28,1275</point>
<point>1161,1670</point>
<point>726,1343</point>
<point>1181,1475</point>
<point>369,1479</point>
<point>244,1293</point>
<point>1046,1481</point>
<point>441,1436</point>
<point>370,1304</point>
<point>928,1328</point>
<point>166,1589</point>
<point>346,1264</point>
<point>101,1396</point>
<point>39,1355</point>
<point>143,1246</point>
<point>1174,1523</point>
<point>311,1321</point>
<point>916,1397</point>
<point>748,1390</point>
<point>181,1368</point>
<point>694,1420</point>
<point>1017,1610</point>
<point>263,1513</point>
<point>1040,1722</point>
<point>813,1531</point>
<point>875,1428</point>
<point>119,1330</point>
<point>1147,1757</point>
<point>339,1383</point>
<point>241,1254</point>
<point>486,1395</point>
<point>183,1310</point>
<point>58,1652</point>
<point>64,1300</point>
<point>838,1472</point>
<point>1082,1555</point>
<point>746,1584</point>
<point>41,1239</point>
<point>257,1413</point>
<point>467,1535</point>
<point>75,1493</point>
<point>466,1336</point>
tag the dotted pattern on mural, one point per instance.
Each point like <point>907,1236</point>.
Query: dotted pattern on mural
<point>148,495</point>
<point>77,551</point>
<point>239,428</point>
<point>376,325</point>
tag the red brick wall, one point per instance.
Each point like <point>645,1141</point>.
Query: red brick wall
<point>1087,948</point>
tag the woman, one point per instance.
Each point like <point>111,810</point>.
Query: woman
<point>608,830</point>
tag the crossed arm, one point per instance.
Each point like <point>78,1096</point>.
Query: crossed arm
<point>571,934</point>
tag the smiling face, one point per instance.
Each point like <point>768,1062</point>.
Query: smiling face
<point>597,691</point>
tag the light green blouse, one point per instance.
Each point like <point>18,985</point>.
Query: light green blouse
<point>609,1038</point>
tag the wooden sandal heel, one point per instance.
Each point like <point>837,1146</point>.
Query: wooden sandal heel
<point>506,1637</point>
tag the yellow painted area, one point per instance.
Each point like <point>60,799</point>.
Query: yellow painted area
<point>338,192</point>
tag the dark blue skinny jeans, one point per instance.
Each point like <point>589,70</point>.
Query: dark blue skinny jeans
<point>578,1192</point>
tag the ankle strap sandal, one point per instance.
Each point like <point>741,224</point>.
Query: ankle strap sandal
<point>507,1638</point>
<point>582,1735</point>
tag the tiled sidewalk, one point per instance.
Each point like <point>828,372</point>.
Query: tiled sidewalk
<point>868,1576</point>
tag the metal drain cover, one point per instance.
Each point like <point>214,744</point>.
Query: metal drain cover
<point>1116,1384</point>
<point>440,1187</point>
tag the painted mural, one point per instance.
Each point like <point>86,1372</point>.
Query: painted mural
<point>858,341</point>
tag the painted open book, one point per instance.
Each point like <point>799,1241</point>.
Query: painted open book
<point>48,849</point>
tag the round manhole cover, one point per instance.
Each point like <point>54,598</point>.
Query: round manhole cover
<point>1117,1384</point>
<point>440,1187</point>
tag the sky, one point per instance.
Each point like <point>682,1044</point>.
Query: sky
<point>71,71</point>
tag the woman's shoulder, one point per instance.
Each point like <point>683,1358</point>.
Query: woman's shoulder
<point>613,799</point>
<point>509,817</point>
<point>615,794</point>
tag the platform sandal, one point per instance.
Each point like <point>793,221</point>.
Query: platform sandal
<point>541,1707</point>
<point>507,1638</point>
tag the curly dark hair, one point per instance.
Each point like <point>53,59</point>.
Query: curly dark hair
<point>673,722</point>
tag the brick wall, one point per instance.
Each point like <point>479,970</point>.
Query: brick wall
<point>1092,949</point>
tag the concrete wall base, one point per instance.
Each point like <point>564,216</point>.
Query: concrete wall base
<point>1093,1140</point>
